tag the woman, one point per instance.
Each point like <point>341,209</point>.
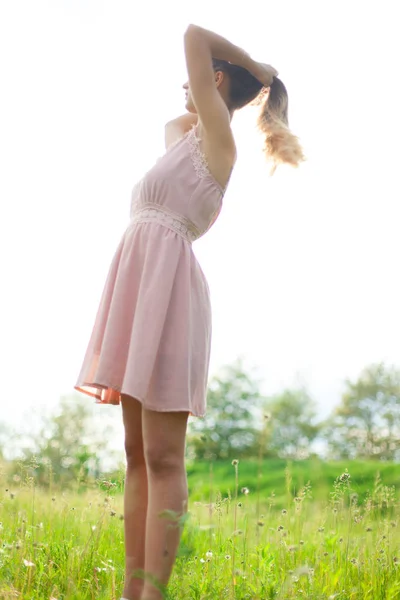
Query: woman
<point>150,345</point>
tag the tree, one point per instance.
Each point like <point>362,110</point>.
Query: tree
<point>366,424</point>
<point>229,428</point>
<point>292,423</point>
<point>3,438</point>
<point>68,442</point>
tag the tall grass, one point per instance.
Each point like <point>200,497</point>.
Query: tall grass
<point>67,545</point>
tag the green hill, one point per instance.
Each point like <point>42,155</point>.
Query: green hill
<point>320,474</point>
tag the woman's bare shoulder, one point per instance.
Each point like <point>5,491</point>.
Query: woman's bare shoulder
<point>177,128</point>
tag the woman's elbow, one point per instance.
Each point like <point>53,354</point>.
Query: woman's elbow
<point>191,29</point>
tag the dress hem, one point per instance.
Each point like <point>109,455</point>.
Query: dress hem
<point>98,400</point>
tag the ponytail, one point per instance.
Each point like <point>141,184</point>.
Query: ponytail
<point>281,146</point>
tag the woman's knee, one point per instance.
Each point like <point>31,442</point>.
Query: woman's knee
<point>159,462</point>
<point>134,453</point>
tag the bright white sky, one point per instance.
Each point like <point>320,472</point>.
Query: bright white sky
<point>303,268</point>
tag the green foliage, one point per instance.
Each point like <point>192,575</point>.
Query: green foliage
<point>240,421</point>
<point>366,424</point>
<point>229,428</point>
<point>3,438</point>
<point>70,547</point>
<point>292,423</point>
<point>203,475</point>
<point>67,449</point>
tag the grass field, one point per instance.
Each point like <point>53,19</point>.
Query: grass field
<point>247,537</point>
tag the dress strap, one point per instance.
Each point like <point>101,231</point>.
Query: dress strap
<point>199,159</point>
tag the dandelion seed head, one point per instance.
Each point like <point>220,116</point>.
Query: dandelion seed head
<point>28,563</point>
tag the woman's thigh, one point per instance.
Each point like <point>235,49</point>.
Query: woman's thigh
<point>164,438</point>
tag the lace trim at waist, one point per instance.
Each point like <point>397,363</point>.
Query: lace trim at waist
<point>151,212</point>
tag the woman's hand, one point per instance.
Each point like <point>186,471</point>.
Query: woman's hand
<point>264,73</point>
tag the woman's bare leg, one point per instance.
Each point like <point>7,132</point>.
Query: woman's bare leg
<point>135,497</point>
<point>164,435</point>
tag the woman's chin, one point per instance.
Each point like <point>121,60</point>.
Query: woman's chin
<point>189,107</point>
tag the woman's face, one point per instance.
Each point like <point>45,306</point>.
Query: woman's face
<point>190,107</point>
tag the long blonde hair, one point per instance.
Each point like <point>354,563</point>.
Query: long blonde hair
<point>281,146</point>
